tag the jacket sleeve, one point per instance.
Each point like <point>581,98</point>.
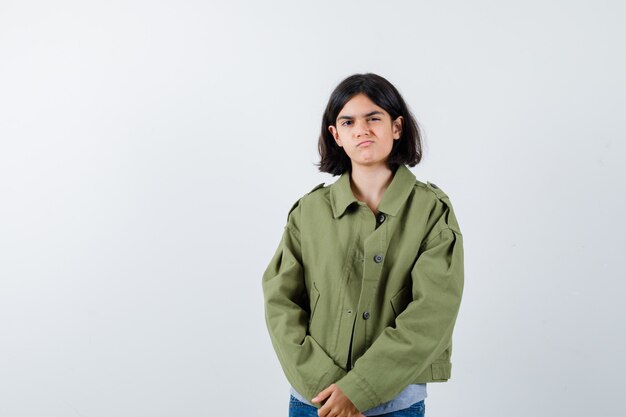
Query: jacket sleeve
<point>423,331</point>
<point>306,365</point>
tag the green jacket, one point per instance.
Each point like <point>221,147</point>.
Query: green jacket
<point>381,289</point>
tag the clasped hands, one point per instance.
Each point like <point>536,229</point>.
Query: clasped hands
<point>337,403</point>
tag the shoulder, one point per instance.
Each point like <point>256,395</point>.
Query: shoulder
<point>441,205</point>
<point>431,189</point>
<point>312,192</point>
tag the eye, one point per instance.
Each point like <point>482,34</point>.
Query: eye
<point>372,119</point>
<point>346,123</point>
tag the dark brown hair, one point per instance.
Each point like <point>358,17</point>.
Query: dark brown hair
<point>406,150</point>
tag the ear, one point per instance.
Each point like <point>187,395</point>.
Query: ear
<point>333,131</point>
<point>397,127</point>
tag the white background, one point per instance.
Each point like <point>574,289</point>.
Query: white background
<point>150,151</point>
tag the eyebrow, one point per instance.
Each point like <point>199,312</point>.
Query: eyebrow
<point>366,115</point>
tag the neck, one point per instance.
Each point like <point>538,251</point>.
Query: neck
<point>369,183</point>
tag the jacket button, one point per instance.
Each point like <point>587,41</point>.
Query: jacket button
<point>366,315</point>
<point>378,258</point>
<point>381,218</point>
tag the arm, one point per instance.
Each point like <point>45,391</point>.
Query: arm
<point>306,365</point>
<point>423,330</point>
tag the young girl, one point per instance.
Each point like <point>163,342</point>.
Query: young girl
<point>363,291</point>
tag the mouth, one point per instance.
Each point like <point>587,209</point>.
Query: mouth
<point>364,143</point>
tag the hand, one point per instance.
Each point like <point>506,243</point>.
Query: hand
<point>337,403</point>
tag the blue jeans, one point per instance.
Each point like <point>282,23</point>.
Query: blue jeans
<point>299,409</point>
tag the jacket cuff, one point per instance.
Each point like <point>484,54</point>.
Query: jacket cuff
<point>358,391</point>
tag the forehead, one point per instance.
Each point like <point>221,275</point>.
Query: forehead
<point>359,105</point>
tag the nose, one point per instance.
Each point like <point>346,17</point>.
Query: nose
<point>361,128</point>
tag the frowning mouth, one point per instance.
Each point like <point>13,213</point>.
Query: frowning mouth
<point>365,143</point>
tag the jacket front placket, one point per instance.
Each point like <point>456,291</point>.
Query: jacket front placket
<point>374,245</point>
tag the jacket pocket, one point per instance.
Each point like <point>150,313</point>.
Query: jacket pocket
<point>401,300</point>
<point>314,297</point>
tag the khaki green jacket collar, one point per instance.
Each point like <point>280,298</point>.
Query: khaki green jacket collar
<point>341,195</point>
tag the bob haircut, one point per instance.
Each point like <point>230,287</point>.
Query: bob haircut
<point>406,150</point>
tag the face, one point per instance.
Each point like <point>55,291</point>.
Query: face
<point>366,132</point>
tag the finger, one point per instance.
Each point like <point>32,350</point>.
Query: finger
<point>327,410</point>
<point>324,394</point>
<point>323,411</point>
